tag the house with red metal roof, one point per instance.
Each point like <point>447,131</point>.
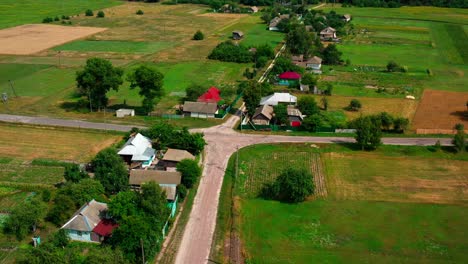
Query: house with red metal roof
<point>211,96</point>
<point>289,78</point>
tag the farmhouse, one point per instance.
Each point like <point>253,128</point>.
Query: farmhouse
<point>237,35</point>
<point>253,9</point>
<point>328,33</point>
<point>124,112</point>
<point>294,116</point>
<point>174,156</point>
<point>279,98</point>
<point>210,96</point>
<point>200,109</point>
<point>263,115</point>
<point>138,151</point>
<point>289,78</point>
<point>89,223</point>
<point>314,63</point>
<point>346,17</point>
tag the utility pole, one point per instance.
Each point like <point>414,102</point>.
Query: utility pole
<point>142,250</point>
<point>12,88</point>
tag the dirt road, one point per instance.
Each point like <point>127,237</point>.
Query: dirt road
<point>223,141</point>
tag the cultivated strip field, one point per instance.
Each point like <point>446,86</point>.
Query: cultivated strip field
<point>30,39</point>
<point>440,111</point>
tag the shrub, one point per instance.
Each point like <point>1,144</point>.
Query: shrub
<point>100,14</point>
<point>47,20</point>
<point>198,35</point>
<point>190,172</point>
<point>228,51</point>
<point>64,17</point>
<point>459,138</point>
<point>261,62</point>
<point>89,12</point>
<point>292,186</point>
<point>182,191</point>
<point>354,105</point>
<point>56,18</point>
<point>392,66</point>
<point>139,12</point>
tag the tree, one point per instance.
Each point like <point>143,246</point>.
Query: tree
<point>251,95</point>
<point>193,91</point>
<point>281,114</point>
<point>153,203</point>
<point>96,79</point>
<point>110,170</point>
<point>265,50</point>
<point>299,41</point>
<point>292,186</point>
<point>400,124</point>
<point>150,82</point>
<point>368,132</point>
<point>459,138</point>
<point>74,174</point>
<point>60,239</point>
<point>392,66</point>
<point>101,255</point>
<point>123,205</point>
<point>89,12</point>
<point>386,119</point>
<point>83,191</point>
<point>331,55</point>
<point>190,172</point>
<point>312,122</point>
<point>198,35</point>
<point>139,12</point>
<point>261,62</point>
<point>329,89</point>
<point>354,105</point>
<point>100,14</point>
<point>309,79</point>
<point>324,101</point>
<point>307,105</point>
<point>25,217</point>
<point>62,209</point>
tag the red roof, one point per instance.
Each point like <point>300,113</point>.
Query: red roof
<point>105,227</point>
<point>211,96</point>
<point>290,76</point>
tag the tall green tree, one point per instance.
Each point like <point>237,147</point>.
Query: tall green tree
<point>62,209</point>
<point>193,91</point>
<point>74,174</point>
<point>96,79</point>
<point>251,95</point>
<point>124,204</point>
<point>292,186</point>
<point>459,138</point>
<point>153,203</point>
<point>299,41</point>
<point>83,191</point>
<point>150,82</point>
<point>368,132</point>
<point>190,172</point>
<point>110,170</point>
<point>281,114</point>
<point>331,55</point>
<point>25,217</point>
<point>308,106</point>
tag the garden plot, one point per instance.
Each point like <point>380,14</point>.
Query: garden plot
<point>32,38</point>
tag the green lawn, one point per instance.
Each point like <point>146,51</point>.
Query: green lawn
<point>17,71</point>
<point>258,34</point>
<point>364,224</point>
<point>30,174</point>
<point>114,46</point>
<point>13,12</point>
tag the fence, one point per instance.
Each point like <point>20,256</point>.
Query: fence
<point>273,127</point>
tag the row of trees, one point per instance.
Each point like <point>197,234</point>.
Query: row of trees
<point>233,52</point>
<point>398,3</point>
<point>99,76</point>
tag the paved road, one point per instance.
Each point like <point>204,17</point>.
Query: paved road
<point>223,141</point>
<point>63,122</point>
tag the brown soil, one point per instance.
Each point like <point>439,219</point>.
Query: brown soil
<point>33,38</point>
<point>441,110</point>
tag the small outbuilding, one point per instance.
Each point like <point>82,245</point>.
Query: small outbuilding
<point>314,63</point>
<point>289,78</point>
<point>211,96</point>
<point>122,112</point>
<point>253,9</point>
<point>173,156</point>
<point>263,115</point>
<point>328,33</point>
<point>237,35</point>
<point>346,17</point>
<point>200,109</point>
<point>294,116</point>
<point>279,98</point>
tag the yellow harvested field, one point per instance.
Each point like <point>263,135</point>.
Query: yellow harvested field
<point>28,143</point>
<point>33,38</point>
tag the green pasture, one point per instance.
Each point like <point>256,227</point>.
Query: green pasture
<point>421,13</point>
<point>18,71</point>
<point>13,12</point>
<point>114,46</point>
<point>360,225</point>
<point>30,174</point>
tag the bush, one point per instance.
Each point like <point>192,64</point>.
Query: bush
<point>89,12</point>
<point>64,17</point>
<point>230,52</point>
<point>190,172</point>
<point>182,191</point>
<point>261,62</point>
<point>47,20</point>
<point>292,186</point>
<point>46,195</point>
<point>139,12</point>
<point>459,138</point>
<point>56,18</point>
<point>198,35</point>
<point>100,14</point>
<point>354,105</point>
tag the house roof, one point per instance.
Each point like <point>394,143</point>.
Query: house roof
<point>309,28</point>
<point>276,98</point>
<point>274,22</point>
<point>137,146</point>
<point>87,217</point>
<point>200,107</point>
<point>328,30</point>
<point>265,110</point>
<point>347,16</point>
<point>210,96</point>
<point>138,177</point>
<point>254,8</point>
<point>170,191</point>
<point>297,58</point>
<point>240,33</point>
<point>105,227</point>
<point>177,155</point>
<point>314,60</point>
<point>290,76</point>
<point>292,111</point>
<point>125,111</point>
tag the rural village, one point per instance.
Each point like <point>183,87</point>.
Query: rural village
<point>247,131</point>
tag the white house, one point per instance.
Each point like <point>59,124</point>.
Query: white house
<point>278,98</point>
<point>328,33</point>
<point>124,112</point>
<point>138,149</point>
<point>314,63</point>
<point>200,109</point>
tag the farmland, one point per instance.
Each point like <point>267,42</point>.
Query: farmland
<point>397,204</point>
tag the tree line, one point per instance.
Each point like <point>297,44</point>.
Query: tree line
<point>399,3</point>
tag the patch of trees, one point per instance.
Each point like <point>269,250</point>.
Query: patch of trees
<point>233,52</point>
<point>315,118</point>
<point>459,138</point>
<point>354,105</point>
<point>190,172</point>
<point>392,66</point>
<point>150,82</point>
<point>100,14</point>
<point>398,3</point>
<point>284,64</point>
<point>331,55</point>
<point>300,41</point>
<point>252,92</point>
<point>25,218</point>
<point>198,35</point>
<point>319,20</point>
<point>292,186</point>
<point>193,91</point>
<point>110,171</point>
<point>165,135</point>
<point>89,12</point>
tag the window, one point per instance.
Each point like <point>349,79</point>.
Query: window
<point>80,233</point>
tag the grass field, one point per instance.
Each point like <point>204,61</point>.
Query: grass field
<point>13,13</point>
<point>114,46</point>
<point>395,205</point>
<point>50,143</point>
